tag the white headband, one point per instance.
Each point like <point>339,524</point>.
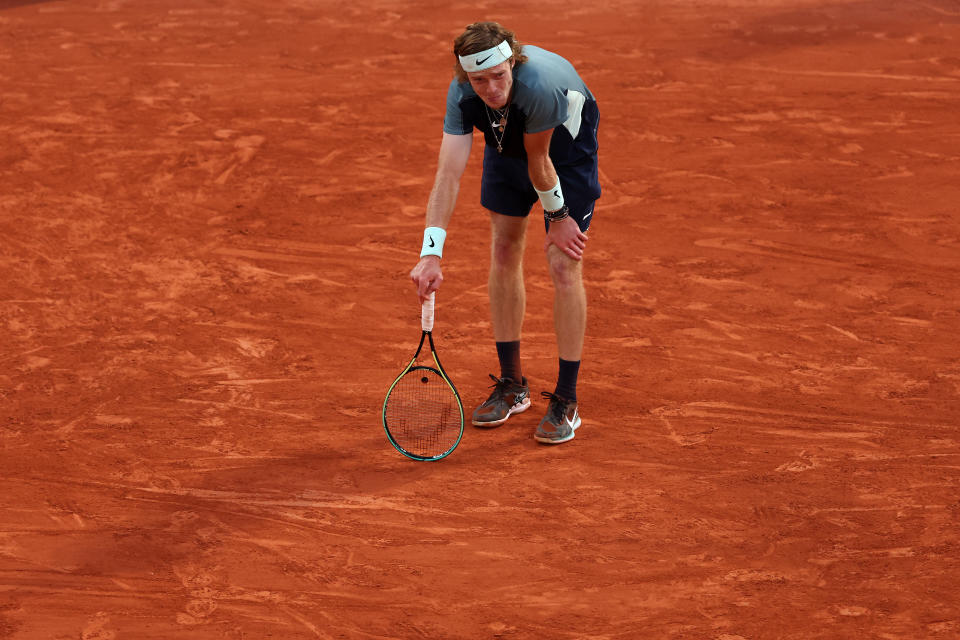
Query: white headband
<point>486,59</point>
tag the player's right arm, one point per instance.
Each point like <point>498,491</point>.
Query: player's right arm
<point>454,153</point>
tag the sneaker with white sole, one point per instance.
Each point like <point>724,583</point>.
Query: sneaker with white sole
<point>508,398</point>
<point>561,421</point>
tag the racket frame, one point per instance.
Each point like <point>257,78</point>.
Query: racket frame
<point>426,335</point>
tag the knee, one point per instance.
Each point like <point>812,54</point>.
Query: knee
<point>505,254</point>
<point>565,272</point>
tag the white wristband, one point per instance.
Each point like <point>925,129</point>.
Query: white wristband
<point>551,199</point>
<point>433,238</point>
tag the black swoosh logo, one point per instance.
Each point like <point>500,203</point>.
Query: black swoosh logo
<point>431,242</point>
<point>556,194</point>
<point>480,62</point>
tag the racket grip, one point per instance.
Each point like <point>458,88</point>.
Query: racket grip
<point>426,312</point>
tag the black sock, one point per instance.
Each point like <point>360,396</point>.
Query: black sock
<point>509,354</point>
<point>567,380</point>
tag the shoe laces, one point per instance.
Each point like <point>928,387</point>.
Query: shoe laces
<point>500,386</point>
<point>557,407</point>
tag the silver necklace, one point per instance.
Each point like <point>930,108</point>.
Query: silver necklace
<point>501,124</point>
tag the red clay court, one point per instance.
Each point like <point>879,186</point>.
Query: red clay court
<point>207,216</point>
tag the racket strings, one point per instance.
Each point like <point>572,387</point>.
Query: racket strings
<point>422,414</point>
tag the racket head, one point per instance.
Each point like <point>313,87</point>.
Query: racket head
<point>422,414</point>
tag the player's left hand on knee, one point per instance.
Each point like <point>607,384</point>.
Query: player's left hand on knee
<point>567,237</point>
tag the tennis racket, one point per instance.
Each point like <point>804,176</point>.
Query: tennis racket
<point>422,413</point>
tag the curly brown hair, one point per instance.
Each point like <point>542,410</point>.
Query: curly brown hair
<point>481,36</point>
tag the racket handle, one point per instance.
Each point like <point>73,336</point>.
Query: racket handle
<point>426,312</point>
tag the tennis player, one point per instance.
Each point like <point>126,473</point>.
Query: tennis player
<point>539,122</point>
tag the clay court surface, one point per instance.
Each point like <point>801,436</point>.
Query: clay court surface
<point>208,211</point>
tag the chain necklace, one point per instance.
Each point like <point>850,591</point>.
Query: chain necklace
<point>501,124</point>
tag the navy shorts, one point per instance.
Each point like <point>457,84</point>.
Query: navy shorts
<point>505,187</point>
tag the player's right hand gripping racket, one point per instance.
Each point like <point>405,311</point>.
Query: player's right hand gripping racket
<point>422,413</point>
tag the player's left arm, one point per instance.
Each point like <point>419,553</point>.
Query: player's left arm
<point>565,234</point>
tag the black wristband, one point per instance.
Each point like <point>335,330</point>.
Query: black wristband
<point>559,214</point>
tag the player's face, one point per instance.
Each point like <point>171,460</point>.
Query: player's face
<point>493,85</point>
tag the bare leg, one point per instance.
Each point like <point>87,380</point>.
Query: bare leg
<point>508,298</point>
<point>507,306</point>
<point>569,303</point>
